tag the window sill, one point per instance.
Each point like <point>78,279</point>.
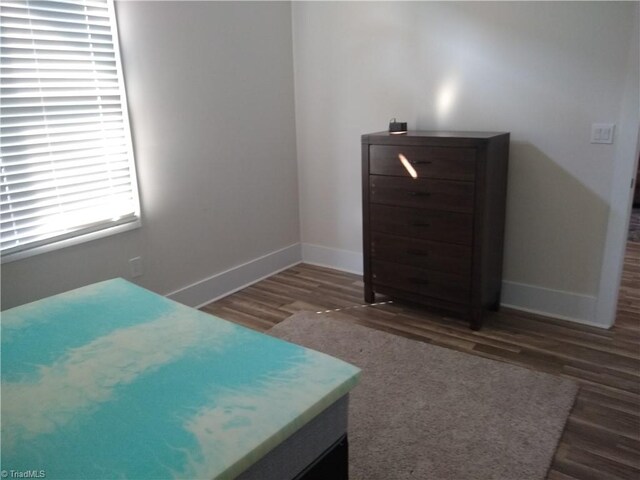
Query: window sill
<point>68,242</point>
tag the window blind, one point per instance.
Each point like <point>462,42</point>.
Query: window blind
<point>67,165</point>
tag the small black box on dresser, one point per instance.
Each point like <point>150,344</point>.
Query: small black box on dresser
<point>433,218</point>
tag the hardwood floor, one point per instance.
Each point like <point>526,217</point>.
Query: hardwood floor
<point>602,436</point>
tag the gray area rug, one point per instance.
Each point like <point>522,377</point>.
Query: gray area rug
<point>426,412</point>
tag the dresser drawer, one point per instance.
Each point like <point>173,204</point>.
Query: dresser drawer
<point>422,193</point>
<point>428,162</point>
<point>445,286</point>
<point>438,256</point>
<point>423,224</point>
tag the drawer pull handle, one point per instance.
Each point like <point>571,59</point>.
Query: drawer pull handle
<point>418,224</point>
<point>419,281</point>
<point>421,162</point>
<point>420,194</point>
<point>417,253</point>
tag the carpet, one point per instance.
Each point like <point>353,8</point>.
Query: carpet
<point>426,412</point>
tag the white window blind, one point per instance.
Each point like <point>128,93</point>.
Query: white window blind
<point>67,166</point>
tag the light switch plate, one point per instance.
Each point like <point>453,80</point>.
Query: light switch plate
<point>602,132</point>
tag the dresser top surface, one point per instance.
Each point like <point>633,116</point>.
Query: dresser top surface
<point>427,136</point>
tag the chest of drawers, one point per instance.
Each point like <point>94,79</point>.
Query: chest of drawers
<point>433,218</point>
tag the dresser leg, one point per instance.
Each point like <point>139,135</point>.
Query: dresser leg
<point>476,320</point>
<point>496,306</point>
<point>369,296</point>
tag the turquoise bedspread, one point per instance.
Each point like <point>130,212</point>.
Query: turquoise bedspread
<point>113,381</point>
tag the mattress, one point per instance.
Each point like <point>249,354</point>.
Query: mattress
<point>114,381</point>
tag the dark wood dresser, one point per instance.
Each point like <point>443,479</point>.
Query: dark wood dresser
<point>433,218</point>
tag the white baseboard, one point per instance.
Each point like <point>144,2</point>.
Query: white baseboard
<point>519,296</point>
<point>225,283</point>
<point>558,304</point>
<point>344,260</point>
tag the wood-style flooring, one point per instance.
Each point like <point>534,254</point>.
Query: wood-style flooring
<point>602,436</point>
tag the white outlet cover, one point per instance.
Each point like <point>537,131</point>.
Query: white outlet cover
<point>135,267</point>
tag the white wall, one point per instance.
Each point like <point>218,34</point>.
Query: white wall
<point>621,192</point>
<point>543,71</point>
<point>210,89</point>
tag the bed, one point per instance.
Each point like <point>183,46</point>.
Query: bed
<point>113,381</point>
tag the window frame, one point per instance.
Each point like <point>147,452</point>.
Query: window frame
<point>105,228</point>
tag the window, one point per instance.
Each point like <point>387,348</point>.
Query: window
<point>67,172</point>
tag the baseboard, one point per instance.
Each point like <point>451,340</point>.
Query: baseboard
<point>344,260</point>
<point>558,304</point>
<point>547,302</point>
<point>225,283</point>
<point>519,296</point>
